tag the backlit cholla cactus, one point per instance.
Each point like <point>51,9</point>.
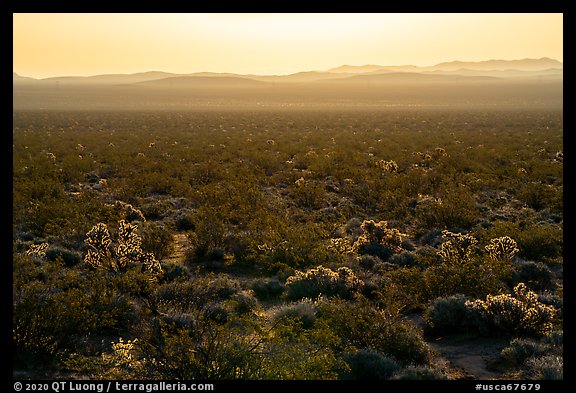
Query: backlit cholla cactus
<point>518,314</point>
<point>37,250</point>
<point>122,362</point>
<point>129,244</point>
<point>341,246</point>
<point>387,166</point>
<point>300,182</point>
<point>324,281</point>
<point>124,352</point>
<point>502,249</point>
<point>559,156</point>
<point>457,248</point>
<point>99,255</point>
<point>128,211</point>
<point>379,233</point>
<point>103,254</point>
<point>439,152</point>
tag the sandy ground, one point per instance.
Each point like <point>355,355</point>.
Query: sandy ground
<point>469,358</point>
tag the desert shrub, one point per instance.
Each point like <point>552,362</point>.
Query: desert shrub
<point>48,321</point>
<point>156,209</point>
<point>550,367</point>
<point>448,315</point>
<point>537,242</point>
<point>217,312</point>
<point>536,275</point>
<point>289,246</point>
<point>538,196</point>
<point>412,373</point>
<point>432,238</point>
<point>215,254</point>
<point>303,311</point>
<point>308,194</point>
<point>405,259</point>
<point>301,347</point>
<point>555,338</point>
<point>359,325</point>
<point>321,280</point>
<point>473,278</point>
<point>403,287</point>
<point>244,302</point>
<point>521,349</point>
<point>210,350</point>
<point>174,271</point>
<point>368,364</point>
<point>268,288</point>
<point>184,221</point>
<point>196,293</point>
<point>553,299</point>
<point>209,232</point>
<point>379,251</point>
<point>69,257</point>
<point>368,261</point>
<point>157,239</point>
<point>456,208</point>
<point>520,314</point>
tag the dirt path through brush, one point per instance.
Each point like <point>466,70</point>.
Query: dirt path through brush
<point>465,357</point>
<point>469,358</point>
<point>181,245</point>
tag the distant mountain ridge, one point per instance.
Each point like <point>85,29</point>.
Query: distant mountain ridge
<point>486,65</point>
<point>465,71</point>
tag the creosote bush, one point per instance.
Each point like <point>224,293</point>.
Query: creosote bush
<point>549,367</point>
<point>448,315</point>
<point>415,373</point>
<point>360,325</point>
<point>368,364</point>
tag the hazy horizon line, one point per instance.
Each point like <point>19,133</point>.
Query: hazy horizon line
<point>282,74</point>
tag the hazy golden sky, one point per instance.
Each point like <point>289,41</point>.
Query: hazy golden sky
<point>88,44</point>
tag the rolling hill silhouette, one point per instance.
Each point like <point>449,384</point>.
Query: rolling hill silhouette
<point>494,82</point>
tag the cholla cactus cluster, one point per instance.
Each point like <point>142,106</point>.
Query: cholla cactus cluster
<point>518,314</point>
<point>341,246</point>
<point>387,166</point>
<point>458,248</point>
<point>439,152</point>
<point>379,233</point>
<point>502,249</point>
<point>37,250</point>
<point>323,280</point>
<point>300,182</point>
<point>559,156</point>
<point>124,352</point>
<point>128,211</point>
<point>103,255</point>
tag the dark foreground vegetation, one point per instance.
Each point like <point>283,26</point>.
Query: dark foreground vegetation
<point>285,244</point>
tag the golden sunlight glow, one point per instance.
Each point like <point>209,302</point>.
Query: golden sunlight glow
<point>87,44</point>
